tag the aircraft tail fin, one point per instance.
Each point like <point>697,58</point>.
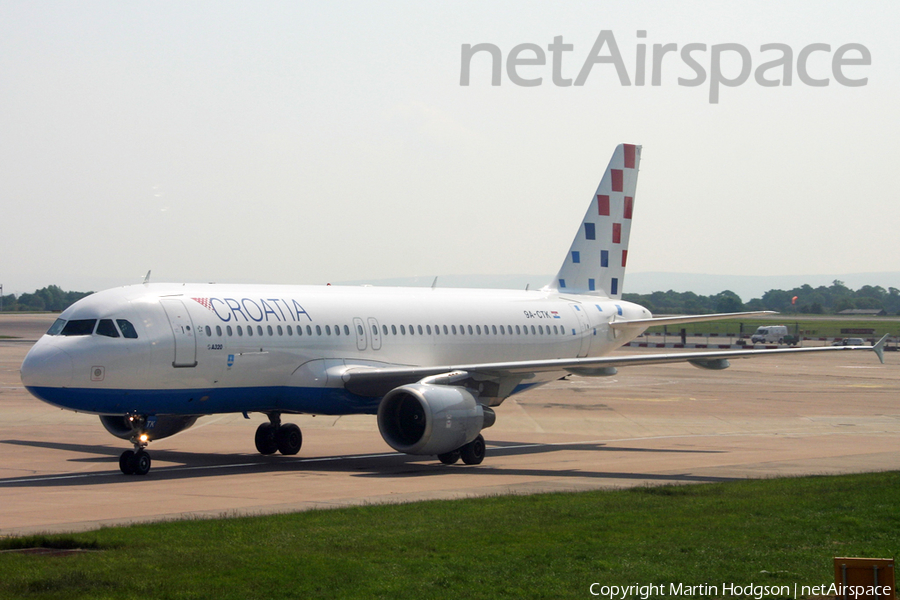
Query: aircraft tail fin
<point>596,260</point>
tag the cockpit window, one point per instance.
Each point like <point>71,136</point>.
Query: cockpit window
<point>106,327</point>
<point>57,327</point>
<point>127,328</point>
<point>79,327</point>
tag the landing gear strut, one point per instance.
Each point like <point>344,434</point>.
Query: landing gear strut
<point>137,461</point>
<point>274,437</point>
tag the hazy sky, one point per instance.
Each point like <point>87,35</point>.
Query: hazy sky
<point>307,142</point>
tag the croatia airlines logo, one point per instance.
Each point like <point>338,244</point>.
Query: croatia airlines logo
<point>204,302</point>
<point>255,309</point>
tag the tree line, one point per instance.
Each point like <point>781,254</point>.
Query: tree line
<point>51,298</point>
<point>809,300</point>
<point>804,299</point>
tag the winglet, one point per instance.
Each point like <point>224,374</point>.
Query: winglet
<point>879,347</point>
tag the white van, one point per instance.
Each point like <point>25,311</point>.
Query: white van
<point>769,334</point>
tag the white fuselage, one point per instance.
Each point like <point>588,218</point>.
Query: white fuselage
<point>214,348</point>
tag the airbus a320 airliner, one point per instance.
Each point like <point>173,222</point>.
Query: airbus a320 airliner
<point>433,364</point>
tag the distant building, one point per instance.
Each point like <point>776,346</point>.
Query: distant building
<point>864,312</point>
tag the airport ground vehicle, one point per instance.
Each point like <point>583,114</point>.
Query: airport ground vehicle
<point>768,334</point>
<point>790,340</point>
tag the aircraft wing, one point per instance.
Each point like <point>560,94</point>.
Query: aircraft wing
<point>368,381</point>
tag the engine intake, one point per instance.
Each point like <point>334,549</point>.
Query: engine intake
<point>431,419</point>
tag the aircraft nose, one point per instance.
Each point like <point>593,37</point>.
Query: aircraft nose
<point>47,366</point>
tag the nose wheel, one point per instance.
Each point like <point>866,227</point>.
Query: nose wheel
<point>135,463</point>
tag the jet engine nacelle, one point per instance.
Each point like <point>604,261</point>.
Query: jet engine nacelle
<point>714,364</point>
<point>155,428</point>
<point>431,419</point>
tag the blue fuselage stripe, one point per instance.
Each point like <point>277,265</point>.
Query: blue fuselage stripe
<point>320,401</point>
<point>304,400</point>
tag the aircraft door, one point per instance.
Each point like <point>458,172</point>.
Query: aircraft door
<point>376,334</point>
<point>360,333</point>
<point>584,330</point>
<point>183,330</point>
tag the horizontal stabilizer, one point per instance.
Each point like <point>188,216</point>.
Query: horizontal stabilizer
<point>686,319</point>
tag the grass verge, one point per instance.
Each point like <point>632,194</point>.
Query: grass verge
<point>769,532</point>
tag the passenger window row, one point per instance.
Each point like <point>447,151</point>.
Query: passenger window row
<point>470,330</point>
<point>338,330</point>
<point>249,331</point>
<point>112,329</point>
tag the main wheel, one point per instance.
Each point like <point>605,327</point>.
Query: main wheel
<point>265,439</point>
<point>449,458</point>
<point>141,462</point>
<point>289,439</point>
<point>126,462</point>
<point>473,452</point>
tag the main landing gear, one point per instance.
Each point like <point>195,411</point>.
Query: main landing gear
<point>137,461</point>
<point>274,437</point>
<point>471,454</point>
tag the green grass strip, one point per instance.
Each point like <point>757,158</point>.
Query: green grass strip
<point>767,532</point>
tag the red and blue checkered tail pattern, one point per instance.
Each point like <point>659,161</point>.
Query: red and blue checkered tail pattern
<point>596,260</point>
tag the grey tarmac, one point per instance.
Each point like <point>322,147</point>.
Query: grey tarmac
<point>766,417</point>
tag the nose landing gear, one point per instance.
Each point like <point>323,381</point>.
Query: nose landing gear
<point>137,461</point>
